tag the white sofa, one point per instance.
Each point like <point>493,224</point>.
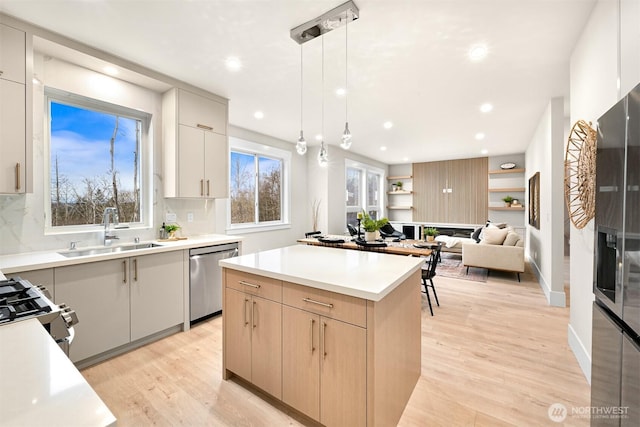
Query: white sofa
<point>508,256</point>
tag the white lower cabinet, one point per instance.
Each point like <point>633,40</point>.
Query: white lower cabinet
<point>122,300</point>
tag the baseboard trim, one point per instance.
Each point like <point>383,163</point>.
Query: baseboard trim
<point>580,352</point>
<point>554,298</point>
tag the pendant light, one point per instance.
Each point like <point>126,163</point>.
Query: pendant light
<point>323,157</point>
<point>346,135</point>
<point>301,145</point>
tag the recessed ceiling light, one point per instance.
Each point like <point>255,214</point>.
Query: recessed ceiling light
<point>258,115</point>
<point>318,137</point>
<point>484,151</point>
<point>233,63</point>
<point>478,52</point>
<point>486,107</point>
<point>112,71</point>
<point>341,91</point>
<point>480,136</point>
<point>383,148</point>
<point>388,125</point>
<point>405,159</point>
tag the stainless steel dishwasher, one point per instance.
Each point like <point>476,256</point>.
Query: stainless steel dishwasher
<point>205,279</point>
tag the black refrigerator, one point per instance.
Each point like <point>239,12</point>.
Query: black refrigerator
<point>615,352</point>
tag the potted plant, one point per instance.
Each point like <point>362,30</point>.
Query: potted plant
<point>171,230</point>
<point>430,233</point>
<point>371,226</point>
<point>399,185</point>
<point>507,201</point>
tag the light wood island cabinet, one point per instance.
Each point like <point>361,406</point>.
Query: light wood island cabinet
<point>346,352</point>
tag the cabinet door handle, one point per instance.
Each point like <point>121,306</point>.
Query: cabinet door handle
<point>246,322</point>
<point>17,176</point>
<point>242,282</point>
<point>253,314</point>
<point>205,127</point>
<point>202,187</point>
<point>135,269</point>
<point>124,271</point>
<point>311,334</point>
<point>312,301</point>
<point>208,187</point>
<point>324,340</point>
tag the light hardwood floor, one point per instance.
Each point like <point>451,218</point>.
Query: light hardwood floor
<point>494,354</point>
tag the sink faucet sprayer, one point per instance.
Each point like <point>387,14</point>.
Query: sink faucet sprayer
<point>109,235</point>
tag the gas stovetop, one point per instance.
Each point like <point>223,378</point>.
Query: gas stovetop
<point>20,300</point>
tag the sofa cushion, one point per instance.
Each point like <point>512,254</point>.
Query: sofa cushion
<point>511,239</point>
<point>476,234</point>
<point>493,236</point>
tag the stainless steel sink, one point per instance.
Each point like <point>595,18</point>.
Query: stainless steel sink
<point>107,250</point>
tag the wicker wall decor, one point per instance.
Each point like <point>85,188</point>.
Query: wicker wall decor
<point>580,173</point>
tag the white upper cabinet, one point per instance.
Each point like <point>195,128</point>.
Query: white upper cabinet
<point>195,146</point>
<point>13,114</point>
<point>12,54</point>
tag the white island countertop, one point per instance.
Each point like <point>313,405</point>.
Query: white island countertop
<point>41,385</point>
<point>362,274</point>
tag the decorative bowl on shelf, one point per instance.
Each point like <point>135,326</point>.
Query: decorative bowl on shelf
<point>507,166</point>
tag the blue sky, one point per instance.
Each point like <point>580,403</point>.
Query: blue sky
<point>81,138</point>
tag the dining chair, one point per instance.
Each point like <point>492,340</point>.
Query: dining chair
<point>429,272</point>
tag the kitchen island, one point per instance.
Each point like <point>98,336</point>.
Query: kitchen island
<point>334,334</point>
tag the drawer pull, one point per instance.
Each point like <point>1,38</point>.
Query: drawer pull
<point>205,127</point>
<point>202,187</point>
<point>246,322</point>
<point>17,176</point>
<point>253,314</point>
<point>135,269</point>
<point>124,271</point>
<point>242,282</point>
<point>311,333</point>
<point>208,187</point>
<point>324,340</point>
<point>324,304</point>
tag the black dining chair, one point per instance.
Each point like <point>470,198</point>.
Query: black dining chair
<point>387,230</point>
<point>429,272</point>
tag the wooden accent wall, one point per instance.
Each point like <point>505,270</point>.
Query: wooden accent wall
<point>465,196</point>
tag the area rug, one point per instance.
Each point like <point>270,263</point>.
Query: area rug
<point>451,266</point>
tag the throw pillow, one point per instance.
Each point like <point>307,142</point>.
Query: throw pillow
<point>476,234</point>
<point>500,224</point>
<point>511,239</point>
<point>494,236</point>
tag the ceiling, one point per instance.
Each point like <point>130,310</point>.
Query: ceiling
<point>407,63</point>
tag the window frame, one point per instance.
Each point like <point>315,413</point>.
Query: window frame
<point>256,149</point>
<point>145,157</point>
<point>365,169</point>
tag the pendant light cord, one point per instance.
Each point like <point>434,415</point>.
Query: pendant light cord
<point>301,87</point>
<point>323,91</point>
<point>346,67</point>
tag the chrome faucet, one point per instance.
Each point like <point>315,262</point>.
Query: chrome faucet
<point>109,235</point>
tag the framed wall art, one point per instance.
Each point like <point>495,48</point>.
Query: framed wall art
<point>534,200</point>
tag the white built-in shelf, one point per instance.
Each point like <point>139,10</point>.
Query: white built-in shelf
<point>499,171</point>
<point>504,208</point>
<point>400,192</point>
<point>395,178</point>
<point>400,207</point>
<point>507,190</point>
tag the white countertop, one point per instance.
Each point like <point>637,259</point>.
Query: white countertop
<point>46,259</point>
<point>41,385</point>
<point>362,274</point>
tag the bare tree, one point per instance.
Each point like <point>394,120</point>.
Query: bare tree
<point>113,171</point>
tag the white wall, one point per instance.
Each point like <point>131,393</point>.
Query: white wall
<point>593,75</point>
<point>545,245</point>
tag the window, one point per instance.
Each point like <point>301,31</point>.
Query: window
<point>96,158</point>
<point>258,181</point>
<point>364,189</point>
